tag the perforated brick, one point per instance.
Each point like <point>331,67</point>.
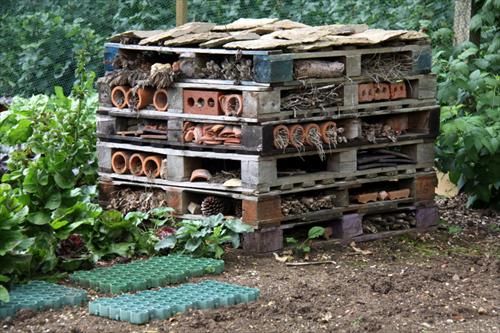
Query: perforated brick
<point>166,302</point>
<point>40,295</point>
<point>144,274</point>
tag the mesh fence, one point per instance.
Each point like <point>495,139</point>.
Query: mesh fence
<point>39,38</point>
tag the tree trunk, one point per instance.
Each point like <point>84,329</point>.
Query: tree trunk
<point>461,21</point>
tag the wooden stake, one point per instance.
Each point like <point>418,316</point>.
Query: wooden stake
<point>180,12</point>
<point>310,263</point>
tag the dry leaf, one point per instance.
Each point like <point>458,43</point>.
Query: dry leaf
<point>283,258</point>
<point>358,250</point>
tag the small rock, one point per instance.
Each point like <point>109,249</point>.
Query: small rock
<point>456,277</point>
<point>481,310</point>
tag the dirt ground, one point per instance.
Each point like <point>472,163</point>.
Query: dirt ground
<point>443,281</point>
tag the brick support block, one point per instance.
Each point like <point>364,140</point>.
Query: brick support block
<point>348,227</point>
<point>263,241</point>
<point>262,212</point>
<point>427,217</point>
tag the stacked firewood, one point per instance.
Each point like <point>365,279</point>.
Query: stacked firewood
<point>212,134</point>
<point>378,130</point>
<point>385,222</point>
<point>295,205</point>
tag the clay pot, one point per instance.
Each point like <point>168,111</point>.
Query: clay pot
<point>231,105</point>
<point>136,164</point>
<point>140,99</point>
<point>284,140</point>
<point>201,175</point>
<point>160,100</point>
<point>152,166</point>
<point>324,128</point>
<point>119,96</point>
<point>309,132</point>
<point>296,135</point>
<point>120,162</point>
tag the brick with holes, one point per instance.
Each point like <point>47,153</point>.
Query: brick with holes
<point>365,92</point>
<point>202,102</point>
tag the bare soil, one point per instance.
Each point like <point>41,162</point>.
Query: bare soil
<point>442,281</point>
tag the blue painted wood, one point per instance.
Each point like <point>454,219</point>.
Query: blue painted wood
<point>267,70</point>
<point>109,54</point>
<point>422,61</point>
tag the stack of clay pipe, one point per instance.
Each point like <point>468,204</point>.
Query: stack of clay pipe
<point>382,195</point>
<point>138,164</point>
<point>212,134</point>
<point>124,96</point>
<point>298,135</point>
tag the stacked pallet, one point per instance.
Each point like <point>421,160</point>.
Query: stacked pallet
<point>276,122</point>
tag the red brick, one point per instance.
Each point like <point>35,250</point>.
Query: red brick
<point>398,90</point>
<point>365,92</point>
<point>382,91</point>
<point>202,102</point>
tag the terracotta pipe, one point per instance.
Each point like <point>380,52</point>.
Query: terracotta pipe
<point>160,100</point>
<point>281,136</point>
<point>200,175</point>
<point>139,99</point>
<point>152,166</point>
<point>232,105</point>
<point>309,132</point>
<point>120,162</point>
<point>119,96</point>
<point>324,130</point>
<point>296,135</point>
<point>136,163</point>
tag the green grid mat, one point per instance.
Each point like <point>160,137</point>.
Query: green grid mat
<point>163,303</point>
<point>144,274</point>
<point>39,295</point>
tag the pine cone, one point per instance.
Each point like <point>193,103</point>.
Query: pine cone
<point>212,206</point>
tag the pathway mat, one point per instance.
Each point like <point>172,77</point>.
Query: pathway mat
<point>160,304</point>
<point>40,295</point>
<point>145,274</point>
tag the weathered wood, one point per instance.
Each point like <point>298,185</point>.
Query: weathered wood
<point>259,175</point>
<point>256,104</point>
<point>426,217</point>
<point>262,211</point>
<point>348,227</point>
<point>343,162</point>
<point>179,168</point>
<point>263,241</point>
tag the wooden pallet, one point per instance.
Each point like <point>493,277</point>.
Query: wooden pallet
<point>265,105</point>
<point>258,138</point>
<point>262,174</point>
<point>345,228</point>
<point>277,67</point>
<point>265,210</point>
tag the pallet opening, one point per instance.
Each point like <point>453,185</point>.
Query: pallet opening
<point>382,191</point>
<point>200,204</point>
<point>294,166</point>
<point>387,66</point>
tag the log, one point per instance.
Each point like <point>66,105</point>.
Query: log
<point>317,69</point>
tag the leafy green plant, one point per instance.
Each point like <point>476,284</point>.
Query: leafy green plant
<point>305,246</point>
<point>205,237</point>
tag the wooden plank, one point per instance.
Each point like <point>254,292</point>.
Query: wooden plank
<point>177,152</point>
<point>165,49</point>
<point>181,7</point>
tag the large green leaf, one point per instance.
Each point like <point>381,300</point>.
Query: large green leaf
<point>237,226</point>
<point>64,181</point>
<point>166,243</point>
<point>39,218</point>
<point>315,232</point>
<point>4,294</point>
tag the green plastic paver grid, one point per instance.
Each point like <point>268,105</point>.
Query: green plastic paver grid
<point>39,295</point>
<point>149,305</point>
<point>144,274</point>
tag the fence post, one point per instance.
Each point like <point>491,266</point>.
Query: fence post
<point>180,12</point>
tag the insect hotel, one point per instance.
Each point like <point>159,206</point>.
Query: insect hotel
<point>279,123</point>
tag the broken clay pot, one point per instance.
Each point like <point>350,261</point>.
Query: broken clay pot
<point>200,175</point>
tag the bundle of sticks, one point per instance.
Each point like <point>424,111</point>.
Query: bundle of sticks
<point>374,158</point>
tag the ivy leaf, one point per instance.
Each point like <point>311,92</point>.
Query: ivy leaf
<point>192,244</point>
